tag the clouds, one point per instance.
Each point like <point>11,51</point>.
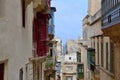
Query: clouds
<point>68,18</point>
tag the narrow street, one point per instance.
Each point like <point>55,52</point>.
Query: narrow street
<point>59,40</point>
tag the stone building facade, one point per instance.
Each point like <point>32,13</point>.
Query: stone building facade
<point>110,27</point>
<point>98,41</point>
<point>15,39</point>
<point>69,67</point>
<point>72,46</point>
<point>20,59</point>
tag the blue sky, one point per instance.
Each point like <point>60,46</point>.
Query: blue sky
<point>68,18</point>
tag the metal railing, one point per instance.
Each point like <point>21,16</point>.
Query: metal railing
<point>50,63</point>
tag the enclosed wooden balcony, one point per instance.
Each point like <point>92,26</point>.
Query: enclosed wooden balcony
<point>51,27</point>
<point>110,13</point>
<point>91,59</point>
<point>80,71</point>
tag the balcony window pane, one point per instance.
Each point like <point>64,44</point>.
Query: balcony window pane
<point>69,68</point>
<point>118,1</point>
<point>69,78</point>
<point>98,52</point>
<point>102,54</point>
<point>111,58</point>
<point>107,56</point>
<point>78,57</point>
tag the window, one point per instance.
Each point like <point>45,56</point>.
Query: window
<point>2,8</point>
<point>69,78</point>
<point>21,74</point>
<point>91,58</point>
<point>102,55</point>
<point>98,51</point>
<point>118,1</point>
<point>112,3</point>
<point>51,52</point>
<point>109,18</point>
<point>2,71</point>
<point>23,12</point>
<point>115,1</point>
<point>69,68</point>
<point>111,58</point>
<point>69,58</point>
<point>78,57</point>
<point>107,56</point>
<point>94,44</point>
<point>80,68</point>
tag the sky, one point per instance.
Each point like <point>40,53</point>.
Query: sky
<point>68,18</point>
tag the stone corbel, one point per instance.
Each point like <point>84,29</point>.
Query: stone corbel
<point>41,6</point>
<point>115,39</point>
<point>27,2</point>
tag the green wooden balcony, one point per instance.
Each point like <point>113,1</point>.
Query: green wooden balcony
<point>91,58</point>
<point>80,71</point>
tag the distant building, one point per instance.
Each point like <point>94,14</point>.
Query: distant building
<point>69,67</point>
<point>59,46</point>
<point>73,67</point>
<point>71,46</point>
<point>59,56</point>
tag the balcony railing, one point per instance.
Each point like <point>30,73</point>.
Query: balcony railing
<point>50,63</point>
<point>111,18</point>
<point>51,30</point>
